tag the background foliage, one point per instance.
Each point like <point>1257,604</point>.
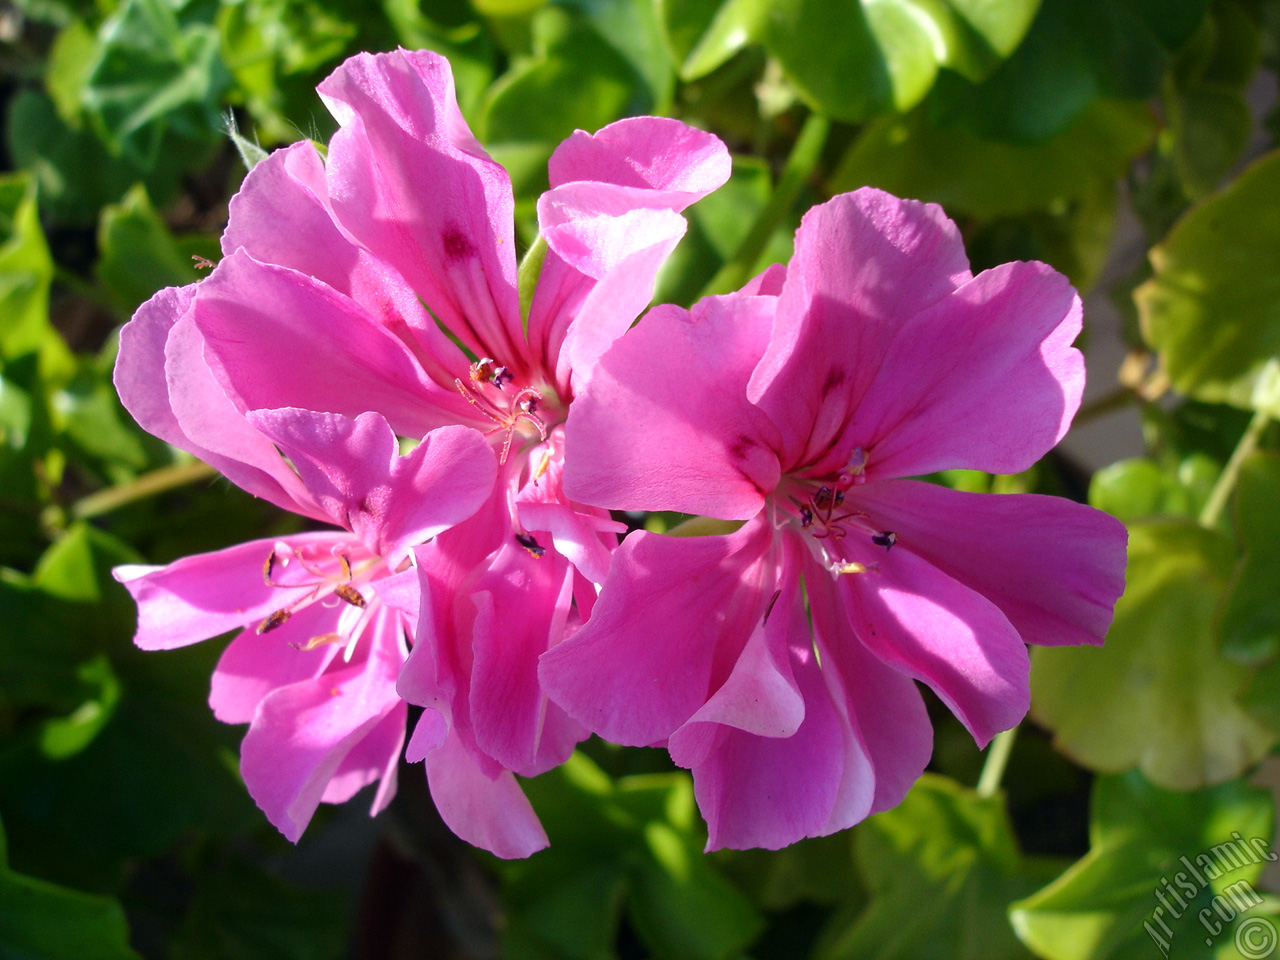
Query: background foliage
<point>1048,129</point>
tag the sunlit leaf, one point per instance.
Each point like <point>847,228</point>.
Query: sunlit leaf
<point>1212,310</point>
<point>1157,861</point>
<point>1160,695</point>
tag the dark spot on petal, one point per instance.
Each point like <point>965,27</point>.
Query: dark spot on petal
<point>456,245</point>
<point>835,377</point>
<point>530,543</point>
<point>364,506</point>
<point>740,446</point>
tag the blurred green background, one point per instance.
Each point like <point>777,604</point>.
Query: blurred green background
<point>1130,143</point>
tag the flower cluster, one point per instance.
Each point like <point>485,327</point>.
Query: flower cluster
<point>364,356</point>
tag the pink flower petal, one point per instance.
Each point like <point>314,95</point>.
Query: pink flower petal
<point>160,371</point>
<point>656,153</point>
<point>671,621</point>
<point>923,623</point>
<point>202,596</point>
<point>281,215</point>
<point>487,812</point>
<point>522,604</point>
<point>986,379</point>
<point>677,433</point>
<point>303,734</point>
<point>410,182</point>
<point>255,663</point>
<point>1055,568</point>
<point>864,264</point>
<point>336,357</point>
<point>354,470</point>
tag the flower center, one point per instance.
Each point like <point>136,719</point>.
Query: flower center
<point>491,390</point>
<point>323,578</point>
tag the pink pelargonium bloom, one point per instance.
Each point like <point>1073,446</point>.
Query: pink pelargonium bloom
<point>340,279</point>
<point>798,405</point>
<point>313,670</point>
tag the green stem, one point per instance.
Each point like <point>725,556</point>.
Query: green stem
<point>804,157</point>
<point>1115,400</point>
<point>147,485</point>
<point>1221,492</point>
<point>997,760</point>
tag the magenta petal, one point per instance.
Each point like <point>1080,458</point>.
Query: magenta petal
<point>656,153</point>
<point>986,379</point>
<point>880,707</point>
<point>304,733</point>
<point>336,357</point>
<point>281,215</point>
<point>354,470</point>
<point>410,182</point>
<point>677,433</point>
<point>651,654</point>
<point>373,760</point>
<point>760,696</point>
<point>925,624</point>
<point>522,604</point>
<point>864,264</point>
<point>1055,568</point>
<point>757,791</point>
<point>204,595</point>
<point>490,813</point>
<point>255,663</point>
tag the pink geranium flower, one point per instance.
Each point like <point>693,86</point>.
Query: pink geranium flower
<point>383,278</point>
<point>778,661</point>
<point>313,669</point>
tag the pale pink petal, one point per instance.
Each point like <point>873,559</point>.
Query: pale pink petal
<point>281,215</point>
<point>986,379</point>
<point>373,760</point>
<point>354,470</point>
<point>204,595</point>
<point>522,604</point>
<point>149,366</point>
<point>255,663</point>
<point>671,621</point>
<point>303,733</point>
<point>656,153</point>
<point>488,812</point>
<point>925,624</point>
<point>575,533</point>
<point>666,424</point>
<point>864,264</point>
<point>277,338</point>
<point>410,182</point>
<point>1054,567</point>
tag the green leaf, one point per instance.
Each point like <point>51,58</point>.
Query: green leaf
<point>705,33</point>
<point>1157,861</point>
<point>1212,310</point>
<point>140,255</point>
<point>852,58</point>
<point>573,70</point>
<point>942,868</point>
<point>26,271</point>
<point>41,921</point>
<point>989,178</point>
<point>154,72</point>
<point>1161,696</point>
<point>76,174</point>
<point>633,844</point>
<point>1138,488</point>
<point>241,912</point>
<point>632,28</point>
<point>1250,625</point>
<point>1075,51</point>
